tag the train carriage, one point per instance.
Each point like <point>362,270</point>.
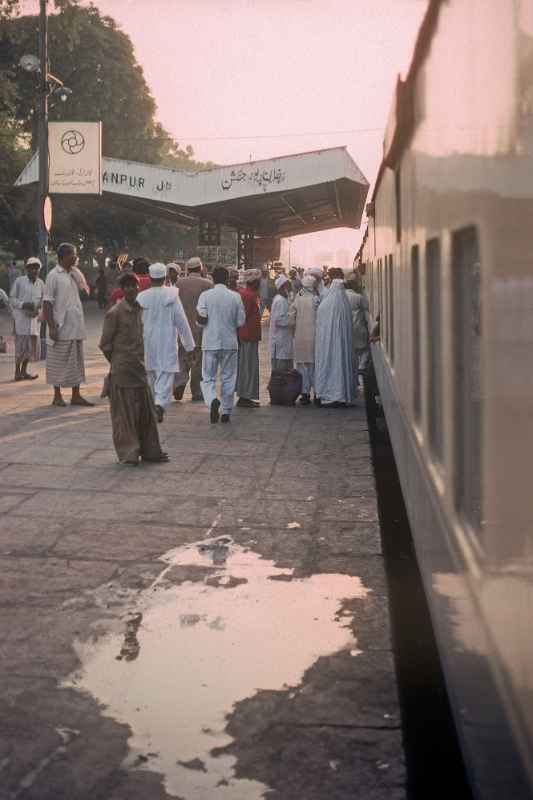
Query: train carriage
<point>448,257</point>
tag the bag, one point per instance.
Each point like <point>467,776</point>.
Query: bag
<point>284,387</point>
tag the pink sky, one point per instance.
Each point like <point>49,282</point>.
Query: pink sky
<point>281,72</point>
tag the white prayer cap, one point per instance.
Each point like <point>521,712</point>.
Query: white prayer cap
<point>251,275</point>
<point>194,263</point>
<point>280,281</point>
<point>33,260</point>
<point>173,265</point>
<point>308,281</point>
<point>157,271</point>
<point>316,272</point>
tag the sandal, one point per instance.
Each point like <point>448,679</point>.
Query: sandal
<point>162,459</point>
<point>81,401</point>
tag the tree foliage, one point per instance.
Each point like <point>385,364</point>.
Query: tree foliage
<point>96,60</point>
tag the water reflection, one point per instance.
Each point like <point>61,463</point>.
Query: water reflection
<point>193,650</point>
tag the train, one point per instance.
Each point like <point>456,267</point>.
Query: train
<point>447,258</point>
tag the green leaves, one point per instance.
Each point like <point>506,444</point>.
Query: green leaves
<point>96,59</point>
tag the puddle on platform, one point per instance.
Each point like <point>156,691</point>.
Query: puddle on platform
<point>191,651</point>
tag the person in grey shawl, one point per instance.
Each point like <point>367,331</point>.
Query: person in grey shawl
<point>334,366</point>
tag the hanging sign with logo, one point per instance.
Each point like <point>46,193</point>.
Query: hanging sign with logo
<point>75,157</point>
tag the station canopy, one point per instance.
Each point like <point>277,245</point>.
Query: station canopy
<point>277,197</point>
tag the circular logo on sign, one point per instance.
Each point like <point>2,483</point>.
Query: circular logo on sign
<point>72,142</point>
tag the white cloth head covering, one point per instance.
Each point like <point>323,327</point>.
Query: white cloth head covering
<point>33,260</point>
<point>316,272</point>
<point>308,281</point>
<point>251,275</point>
<point>194,263</point>
<point>157,271</point>
<point>280,281</point>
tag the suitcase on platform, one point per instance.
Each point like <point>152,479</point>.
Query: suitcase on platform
<point>284,387</point>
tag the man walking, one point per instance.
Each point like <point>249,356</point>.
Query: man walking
<point>281,340</point>
<point>249,338</point>
<point>26,300</point>
<point>164,320</point>
<point>334,374</point>
<point>190,289</point>
<point>133,414</point>
<point>221,312</point>
<point>302,319</point>
<point>63,313</point>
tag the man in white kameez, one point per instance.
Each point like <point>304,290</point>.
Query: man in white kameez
<point>63,313</point>
<point>6,320</point>
<point>318,275</point>
<point>302,319</point>
<point>220,312</point>
<point>361,321</point>
<point>26,300</point>
<point>334,371</point>
<point>164,320</point>
<point>281,337</point>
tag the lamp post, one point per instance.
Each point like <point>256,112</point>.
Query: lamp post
<point>48,85</point>
<point>43,135</point>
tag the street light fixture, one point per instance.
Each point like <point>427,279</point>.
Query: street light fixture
<point>29,63</point>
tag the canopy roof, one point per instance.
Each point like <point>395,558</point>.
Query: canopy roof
<point>282,196</point>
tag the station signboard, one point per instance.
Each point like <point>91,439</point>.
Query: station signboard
<point>75,157</point>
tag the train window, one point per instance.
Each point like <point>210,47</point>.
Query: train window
<point>380,292</point>
<point>467,386</point>
<point>434,351</point>
<point>385,309</point>
<point>371,290</point>
<point>415,311</point>
<point>390,308</point>
<point>398,195</point>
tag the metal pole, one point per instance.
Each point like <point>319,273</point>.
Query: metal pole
<point>43,135</point>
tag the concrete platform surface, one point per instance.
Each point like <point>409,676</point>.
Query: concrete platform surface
<point>216,627</point>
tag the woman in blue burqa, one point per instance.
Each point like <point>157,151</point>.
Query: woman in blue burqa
<point>334,367</point>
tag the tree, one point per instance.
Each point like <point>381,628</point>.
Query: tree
<point>95,59</point>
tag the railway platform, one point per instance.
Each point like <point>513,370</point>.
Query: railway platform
<point>216,627</point>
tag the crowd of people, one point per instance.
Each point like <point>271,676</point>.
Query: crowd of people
<point>167,326</point>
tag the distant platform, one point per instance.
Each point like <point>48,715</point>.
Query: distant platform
<point>283,196</point>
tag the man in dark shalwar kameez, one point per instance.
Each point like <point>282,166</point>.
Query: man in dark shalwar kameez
<point>133,415</point>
